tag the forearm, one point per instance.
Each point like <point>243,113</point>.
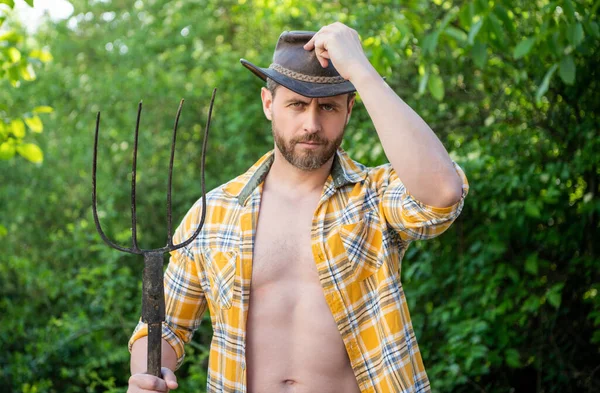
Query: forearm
<point>413,149</point>
<point>139,356</point>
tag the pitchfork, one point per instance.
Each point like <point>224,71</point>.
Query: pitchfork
<point>153,301</point>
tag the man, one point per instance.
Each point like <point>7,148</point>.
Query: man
<point>299,258</point>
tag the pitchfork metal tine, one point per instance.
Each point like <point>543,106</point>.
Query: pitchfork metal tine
<point>169,210</point>
<point>135,247</point>
<point>94,199</point>
<point>171,246</point>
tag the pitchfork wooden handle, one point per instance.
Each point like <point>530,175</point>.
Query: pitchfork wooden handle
<point>153,308</point>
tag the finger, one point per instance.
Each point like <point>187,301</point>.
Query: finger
<point>148,382</point>
<point>169,377</point>
<point>140,390</point>
<point>322,56</point>
<point>310,44</point>
<point>321,51</point>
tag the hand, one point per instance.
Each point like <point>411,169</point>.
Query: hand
<point>340,44</point>
<point>150,383</point>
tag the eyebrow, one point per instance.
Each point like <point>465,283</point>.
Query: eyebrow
<point>332,103</point>
<point>291,100</point>
<point>295,99</point>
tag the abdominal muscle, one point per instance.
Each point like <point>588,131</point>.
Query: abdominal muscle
<point>293,344</point>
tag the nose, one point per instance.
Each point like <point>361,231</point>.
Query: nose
<point>312,122</point>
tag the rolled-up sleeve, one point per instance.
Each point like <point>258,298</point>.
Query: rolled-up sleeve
<point>185,302</point>
<point>411,218</point>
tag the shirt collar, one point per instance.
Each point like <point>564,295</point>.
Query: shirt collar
<point>344,170</point>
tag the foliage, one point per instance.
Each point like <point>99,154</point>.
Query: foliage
<point>16,67</point>
<point>506,299</point>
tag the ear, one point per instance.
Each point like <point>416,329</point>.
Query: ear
<point>267,102</point>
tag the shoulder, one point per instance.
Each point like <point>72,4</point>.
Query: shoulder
<point>373,175</point>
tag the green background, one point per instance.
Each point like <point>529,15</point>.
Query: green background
<point>505,301</point>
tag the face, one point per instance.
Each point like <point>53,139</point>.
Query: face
<point>307,131</point>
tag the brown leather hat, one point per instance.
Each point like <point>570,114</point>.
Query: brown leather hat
<point>299,70</point>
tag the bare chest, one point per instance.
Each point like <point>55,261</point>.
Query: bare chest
<point>282,248</point>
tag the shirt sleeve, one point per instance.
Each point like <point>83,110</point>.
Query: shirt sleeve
<point>185,302</point>
<point>411,218</point>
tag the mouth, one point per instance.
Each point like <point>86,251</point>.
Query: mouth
<point>310,145</point>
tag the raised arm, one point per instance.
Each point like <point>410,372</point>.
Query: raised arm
<point>416,154</point>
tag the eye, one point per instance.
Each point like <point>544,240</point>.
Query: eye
<point>328,107</point>
<point>297,104</point>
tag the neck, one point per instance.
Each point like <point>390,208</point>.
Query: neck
<point>292,179</point>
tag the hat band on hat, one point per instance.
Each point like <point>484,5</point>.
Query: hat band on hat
<point>306,78</point>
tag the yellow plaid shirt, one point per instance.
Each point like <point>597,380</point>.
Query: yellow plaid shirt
<point>362,227</point>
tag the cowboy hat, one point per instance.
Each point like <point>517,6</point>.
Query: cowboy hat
<point>299,70</point>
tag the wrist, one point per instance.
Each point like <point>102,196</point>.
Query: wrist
<point>364,75</point>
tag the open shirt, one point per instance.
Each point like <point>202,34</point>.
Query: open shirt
<point>362,226</point>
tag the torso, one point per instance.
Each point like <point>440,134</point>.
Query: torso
<point>293,344</point>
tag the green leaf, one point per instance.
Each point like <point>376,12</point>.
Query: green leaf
<point>423,82</point>
<point>481,5</point>
<point>43,109</point>
<point>18,128</point>
<point>531,305</point>
<point>497,28</point>
<point>554,44</point>
<point>43,56</point>
<point>3,231</point>
<point>554,295</point>
<point>450,15</point>
<point>502,14</point>
<point>30,2</point>
<point>465,15</point>
<point>13,76</point>
<point>554,299</point>
<point>430,42</point>
<point>567,70</point>
<point>27,72</point>
<point>545,83</point>
<point>592,28</point>
<point>512,358</point>
<point>7,151</point>
<point>523,48</point>
<point>10,3</point>
<point>31,152</point>
<point>455,33</point>
<point>479,54</point>
<point>9,36</point>
<point>569,10</point>
<point>436,87</point>
<point>474,31</point>
<point>532,209</point>
<point>575,34</point>
<point>14,55</point>
<point>531,264</point>
<point>34,123</point>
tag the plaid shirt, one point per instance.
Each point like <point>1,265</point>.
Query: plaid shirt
<point>362,227</point>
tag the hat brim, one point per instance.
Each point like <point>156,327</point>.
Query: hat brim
<point>307,89</point>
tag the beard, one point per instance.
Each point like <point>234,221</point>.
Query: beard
<point>307,160</point>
